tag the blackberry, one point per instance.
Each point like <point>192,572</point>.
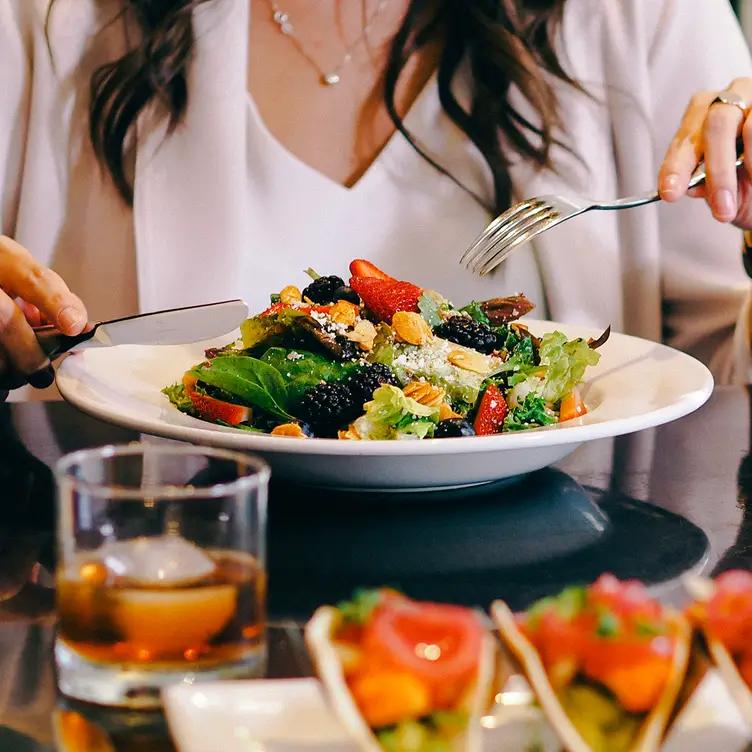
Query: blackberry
<point>452,429</point>
<point>366,380</point>
<point>321,290</point>
<point>469,333</point>
<point>346,293</point>
<point>327,407</point>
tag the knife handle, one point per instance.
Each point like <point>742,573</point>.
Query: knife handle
<point>54,343</point>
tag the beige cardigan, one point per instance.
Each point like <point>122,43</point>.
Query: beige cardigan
<point>660,271</point>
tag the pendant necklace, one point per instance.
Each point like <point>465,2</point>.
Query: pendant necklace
<point>327,76</point>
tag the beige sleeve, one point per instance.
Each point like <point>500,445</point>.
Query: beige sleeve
<point>15,95</point>
<point>706,292</point>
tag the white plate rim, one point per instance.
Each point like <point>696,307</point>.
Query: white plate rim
<point>574,432</point>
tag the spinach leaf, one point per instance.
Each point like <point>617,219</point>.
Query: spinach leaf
<point>474,310</point>
<point>302,369</point>
<point>250,380</point>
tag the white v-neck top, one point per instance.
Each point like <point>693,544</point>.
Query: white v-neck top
<point>222,210</point>
<point>402,214</point>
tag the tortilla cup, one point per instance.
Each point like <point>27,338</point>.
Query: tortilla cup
<point>319,633</point>
<point>656,723</point>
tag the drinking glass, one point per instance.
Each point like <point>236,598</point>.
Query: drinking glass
<point>161,576</point>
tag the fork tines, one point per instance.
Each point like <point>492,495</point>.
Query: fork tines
<point>506,232</point>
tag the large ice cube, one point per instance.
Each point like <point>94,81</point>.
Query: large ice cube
<point>157,560</point>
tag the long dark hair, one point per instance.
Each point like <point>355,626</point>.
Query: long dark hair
<point>506,43</point>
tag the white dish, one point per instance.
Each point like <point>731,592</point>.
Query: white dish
<point>290,715</point>
<point>637,384</point>
<point>269,715</point>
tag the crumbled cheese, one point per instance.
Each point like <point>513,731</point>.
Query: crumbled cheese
<point>294,355</point>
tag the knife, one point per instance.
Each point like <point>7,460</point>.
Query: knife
<point>176,326</point>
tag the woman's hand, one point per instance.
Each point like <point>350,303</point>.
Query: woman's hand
<point>31,294</point>
<point>709,131</point>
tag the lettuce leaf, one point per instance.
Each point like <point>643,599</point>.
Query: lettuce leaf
<point>566,362</point>
<point>359,608</point>
<point>530,414</point>
<point>393,415</point>
<point>430,305</point>
<point>251,381</point>
<point>179,397</point>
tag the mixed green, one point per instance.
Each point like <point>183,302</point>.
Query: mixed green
<point>381,358</point>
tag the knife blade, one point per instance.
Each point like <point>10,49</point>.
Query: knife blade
<point>176,326</point>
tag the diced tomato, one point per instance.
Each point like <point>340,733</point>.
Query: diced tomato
<point>572,406</point>
<point>627,598</point>
<point>606,655</point>
<point>363,268</point>
<point>438,644</point>
<point>390,696</point>
<point>729,611</point>
<point>558,639</point>
<point>638,686</point>
<point>210,408</point>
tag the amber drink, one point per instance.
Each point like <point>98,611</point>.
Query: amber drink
<point>162,581</point>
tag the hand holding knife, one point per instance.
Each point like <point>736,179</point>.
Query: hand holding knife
<point>175,326</point>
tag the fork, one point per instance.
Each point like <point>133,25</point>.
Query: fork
<point>523,221</point>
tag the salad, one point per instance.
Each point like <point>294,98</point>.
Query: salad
<point>723,611</point>
<point>381,358</point>
<point>403,675</point>
<point>606,662</point>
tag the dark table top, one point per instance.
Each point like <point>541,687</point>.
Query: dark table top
<point>653,505</point>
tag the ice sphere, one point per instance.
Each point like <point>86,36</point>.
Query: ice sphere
<point>157,560</point>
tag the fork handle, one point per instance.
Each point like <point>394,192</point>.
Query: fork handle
<point>699,175</point>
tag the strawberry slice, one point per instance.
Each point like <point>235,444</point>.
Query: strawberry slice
<point>363,268</point>
<point>384,297</point>
<point>210,408</point>
<point>491,412</point>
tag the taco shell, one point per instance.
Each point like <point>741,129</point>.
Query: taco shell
<point>319,633</point>
<point>656,722</point>
<point>702,588</point>
<point>733,680</point>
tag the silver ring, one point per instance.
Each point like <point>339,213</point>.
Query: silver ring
<point>727,96</point>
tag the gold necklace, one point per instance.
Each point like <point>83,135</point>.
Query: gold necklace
<point>327,76</point>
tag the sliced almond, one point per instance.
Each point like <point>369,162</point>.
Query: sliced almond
<point>289,429</point>
<point>468,360</point>
<point>351,434</point>
<point>425,393</point>
<point>364,334</point>
<point>411,327</point>
<point>446,412</point>
<point>344,312</point>
<point>290,294</point>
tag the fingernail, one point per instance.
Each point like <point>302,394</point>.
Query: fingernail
<point>69,318</point>
<point>42,378</point>
<point>670,184</point>
<point>724,203</point>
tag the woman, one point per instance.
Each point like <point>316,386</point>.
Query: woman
<point>184,152</point>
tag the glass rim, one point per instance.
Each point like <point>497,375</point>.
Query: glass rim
<point>258,471</point>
